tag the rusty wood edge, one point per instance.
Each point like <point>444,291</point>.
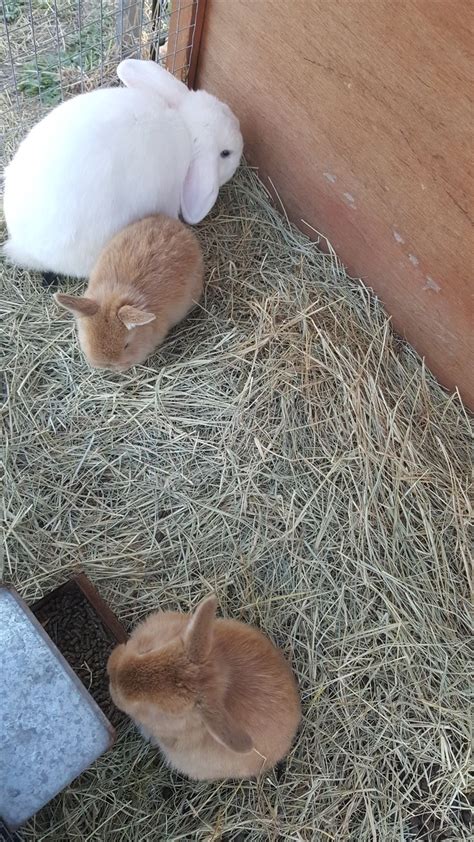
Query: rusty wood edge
<point>181,25</point>
<point>196,47</point>
<point>105,613</point>
<point>90,592</point>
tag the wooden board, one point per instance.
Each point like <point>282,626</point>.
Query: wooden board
<point>360,111</point>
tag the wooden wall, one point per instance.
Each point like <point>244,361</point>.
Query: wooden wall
<point>360,112</point>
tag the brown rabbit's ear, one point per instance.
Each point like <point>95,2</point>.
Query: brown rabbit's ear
<point>198,635</point>
<point>134,317</point>
<point>79,305</point>
<point>227,732</point>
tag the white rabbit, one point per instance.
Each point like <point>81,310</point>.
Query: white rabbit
<point>110,157</point>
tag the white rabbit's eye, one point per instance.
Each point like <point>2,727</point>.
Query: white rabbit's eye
<point>225,153</point>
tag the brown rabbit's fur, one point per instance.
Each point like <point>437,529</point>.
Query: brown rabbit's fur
<point>215,695</point>
<point>145,281</point>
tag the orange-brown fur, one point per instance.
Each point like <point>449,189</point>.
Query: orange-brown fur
<point>154,266</point>
<point>215,695</point>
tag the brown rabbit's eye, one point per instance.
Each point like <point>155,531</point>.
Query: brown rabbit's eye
<point>225,153</point>
<point>126,345</point>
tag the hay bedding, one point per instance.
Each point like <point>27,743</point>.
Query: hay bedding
<point>286,449</point>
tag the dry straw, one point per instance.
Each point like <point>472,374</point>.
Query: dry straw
<point>286,449</point>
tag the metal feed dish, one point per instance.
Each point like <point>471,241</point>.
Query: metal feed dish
<point>85,631</point>
<point>51,729</point>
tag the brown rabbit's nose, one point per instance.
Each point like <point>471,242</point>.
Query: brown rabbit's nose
<point>109,366</point>
<point>99,366</point>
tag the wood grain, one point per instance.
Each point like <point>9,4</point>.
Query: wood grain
<point>360,112</point>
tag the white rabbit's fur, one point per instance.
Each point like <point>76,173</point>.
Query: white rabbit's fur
<point>107,158</point>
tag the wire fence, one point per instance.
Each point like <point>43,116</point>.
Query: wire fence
<point>54,49</point>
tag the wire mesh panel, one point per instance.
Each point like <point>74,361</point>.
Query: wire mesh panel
<point>53,49</point>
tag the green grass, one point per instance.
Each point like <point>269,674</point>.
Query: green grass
<point>71,52</point>
<point>42,77</point>
<point>12,9</point>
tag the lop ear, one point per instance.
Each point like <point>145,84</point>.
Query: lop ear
<point>225,730</point>
<point>200,188</point>
<point>198,635</point>
<point>76,304</point>
<point>148,75</point>
<point>134,317</point>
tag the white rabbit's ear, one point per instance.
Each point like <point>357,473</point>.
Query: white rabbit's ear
<point>134,317</point>
<point>148,75</point>
<point>76,304</point>
<point>200,188</point>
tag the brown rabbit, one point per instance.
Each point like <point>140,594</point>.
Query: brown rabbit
<point>145,281</point>
<point>215,695</point>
